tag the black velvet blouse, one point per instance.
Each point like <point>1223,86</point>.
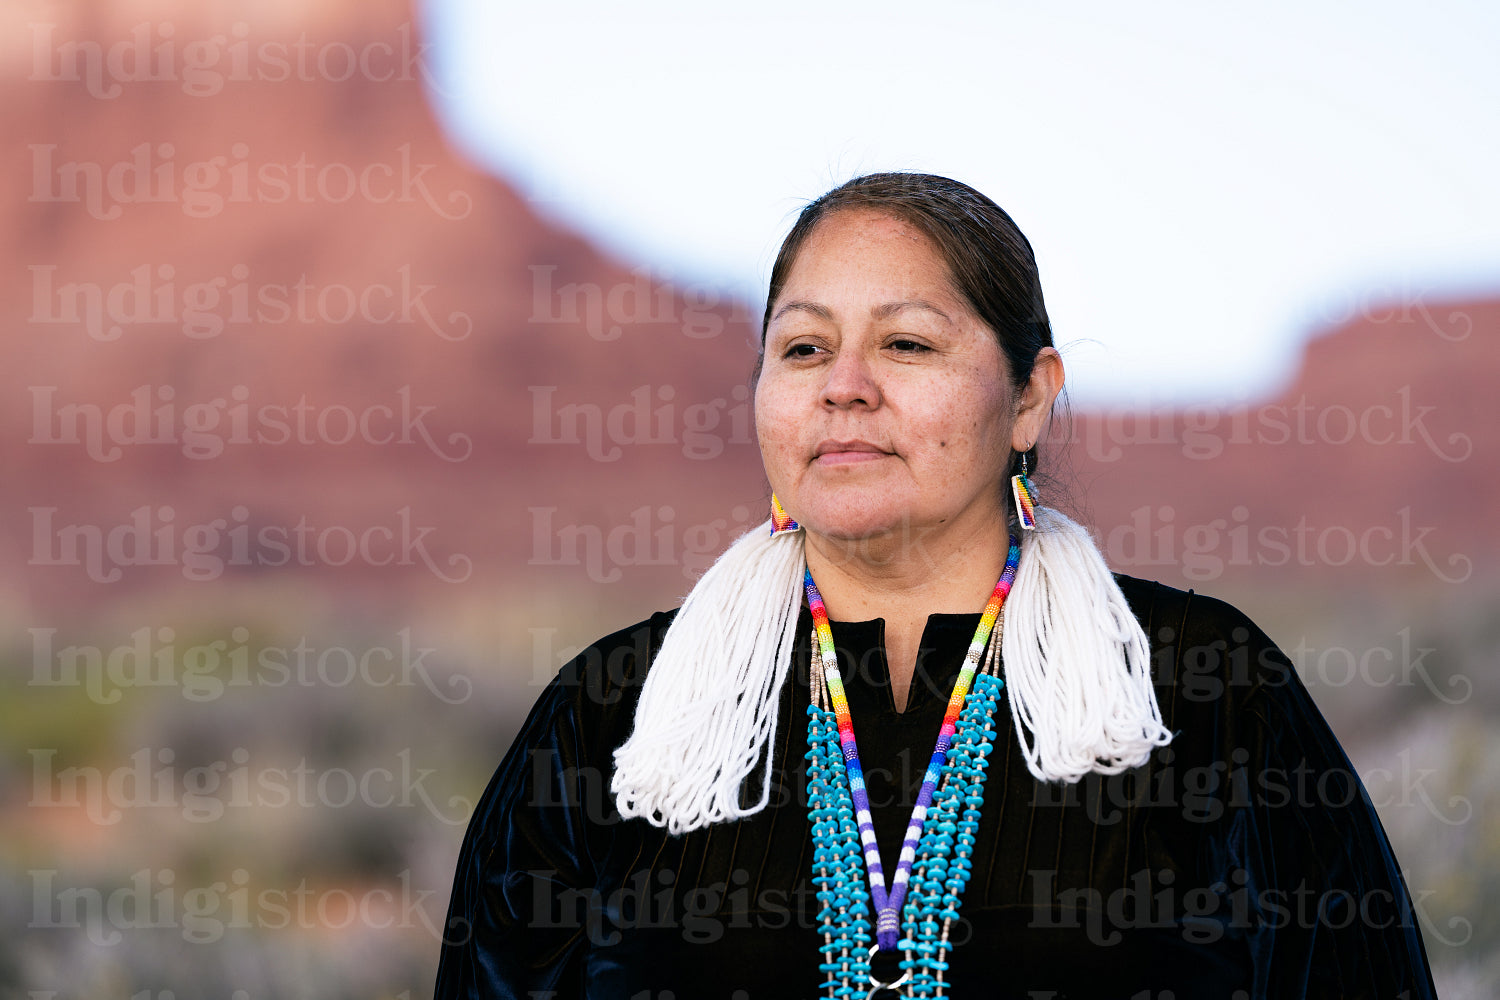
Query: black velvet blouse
<point>1243,860</point>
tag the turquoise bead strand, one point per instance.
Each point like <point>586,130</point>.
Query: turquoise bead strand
<point>838,863</point>
<point>945,855</point>
<point>943,862</point>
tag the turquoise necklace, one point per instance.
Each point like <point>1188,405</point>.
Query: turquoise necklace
<point>941,863</point>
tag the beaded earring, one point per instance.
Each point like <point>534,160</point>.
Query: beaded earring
<point>1025,497</point>
<point>780,519</point>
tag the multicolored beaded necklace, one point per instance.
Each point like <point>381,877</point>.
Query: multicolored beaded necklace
<point>934,862</point>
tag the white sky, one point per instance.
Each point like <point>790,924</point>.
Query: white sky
<point>1203,187</point>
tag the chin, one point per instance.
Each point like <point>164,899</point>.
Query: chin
<point>857,520</point>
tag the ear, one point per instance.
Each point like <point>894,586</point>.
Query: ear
<point>1036,398</point>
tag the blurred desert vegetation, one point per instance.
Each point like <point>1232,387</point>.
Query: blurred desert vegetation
<point>183,743</point>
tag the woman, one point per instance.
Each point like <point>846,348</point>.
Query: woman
<point>830,771</point>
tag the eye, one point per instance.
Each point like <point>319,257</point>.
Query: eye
<point>803,350</point>
<point>905,345</point>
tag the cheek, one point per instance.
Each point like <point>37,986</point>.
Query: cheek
<point>780,406</point>
<point>952,419</point>
<point>765,411</point>
<point>970,427</point>
<point>775,428</point>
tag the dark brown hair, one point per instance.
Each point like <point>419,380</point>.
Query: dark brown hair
<point>990,261</point>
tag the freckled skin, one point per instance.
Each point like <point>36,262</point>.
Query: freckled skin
<point>916,420</point>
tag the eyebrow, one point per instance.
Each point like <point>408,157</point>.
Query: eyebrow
<point>883,311</point>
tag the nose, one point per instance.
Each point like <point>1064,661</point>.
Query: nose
<point>851,382</point>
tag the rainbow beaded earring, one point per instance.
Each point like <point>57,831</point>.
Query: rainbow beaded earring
<point>780,519</point>
<point>1025,497</point>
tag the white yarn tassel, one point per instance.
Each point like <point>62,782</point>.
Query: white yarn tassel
<point>1077,676</point>
<point>1077,663</point>
<point>708,708</point>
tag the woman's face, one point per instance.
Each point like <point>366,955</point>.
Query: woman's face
<point>884,405</point>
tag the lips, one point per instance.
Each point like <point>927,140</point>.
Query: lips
<point>844,452</point>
